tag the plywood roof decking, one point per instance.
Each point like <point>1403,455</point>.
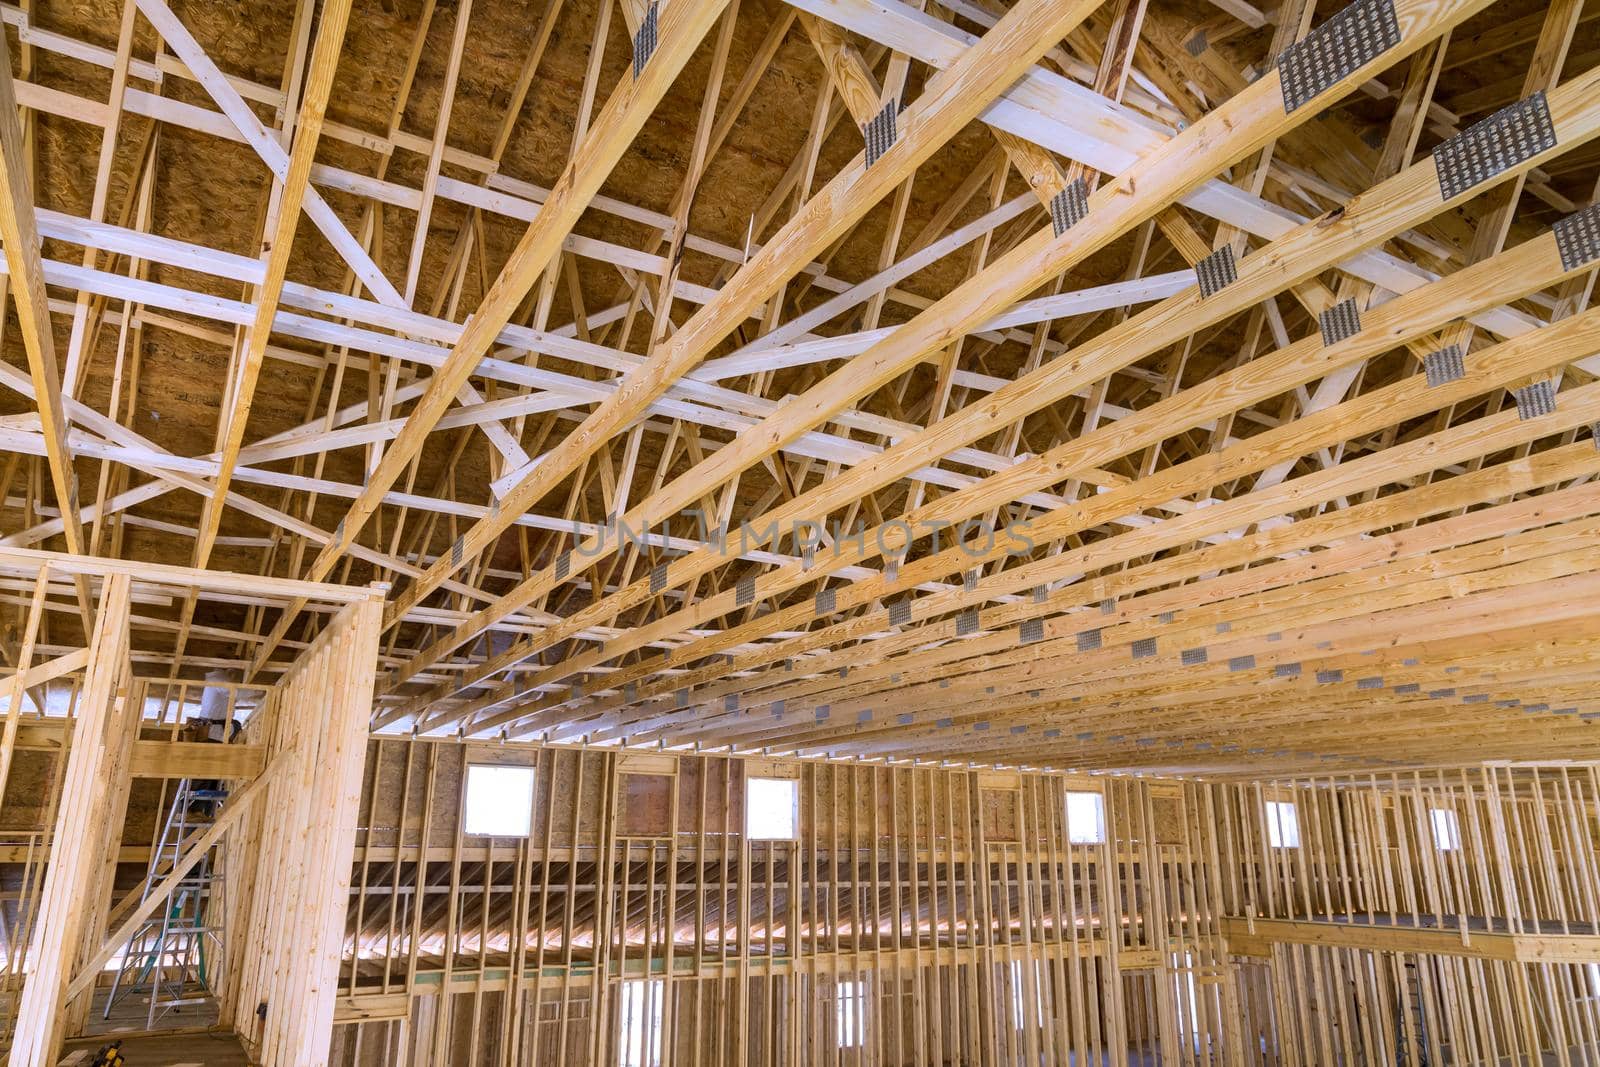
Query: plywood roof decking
<point>1236,542</point>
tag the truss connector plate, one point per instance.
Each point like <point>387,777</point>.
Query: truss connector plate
<point>1348,41</point>
<point>1340,322</point>
<point>1069,206</point>
<point>1444,366</point>
<point>1216,272</point>
<point>880,132</point>
<point>1510,136</point>
<point>1578,237</point>
<point>644,39</point>
<point>1536,399</point>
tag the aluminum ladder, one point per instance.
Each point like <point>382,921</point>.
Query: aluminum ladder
<point>174,953</point>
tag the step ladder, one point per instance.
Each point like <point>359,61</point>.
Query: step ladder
<point>1411,1014</point>
<point>174,955</point>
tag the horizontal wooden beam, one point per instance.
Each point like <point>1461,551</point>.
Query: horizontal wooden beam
<point>158,759</point>
<point>195,759</point>
<point>1256,937</point>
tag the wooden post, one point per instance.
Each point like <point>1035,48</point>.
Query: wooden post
<point>101,739</point>
<point>300,842</point>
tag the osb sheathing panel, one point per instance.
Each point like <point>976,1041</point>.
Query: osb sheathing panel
<point>32,782</point>
<point>212,191</point>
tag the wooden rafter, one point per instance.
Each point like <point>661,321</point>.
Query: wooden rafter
<point>868,348</point>
<point>20,233</point>
<point>1138,192</point>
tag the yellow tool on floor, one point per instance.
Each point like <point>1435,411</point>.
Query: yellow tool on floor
<point>109,1056</point>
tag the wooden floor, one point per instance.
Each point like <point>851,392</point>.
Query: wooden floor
<point>131,1016</point>
<point>197,1048</point>
<point>186,1035</point>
